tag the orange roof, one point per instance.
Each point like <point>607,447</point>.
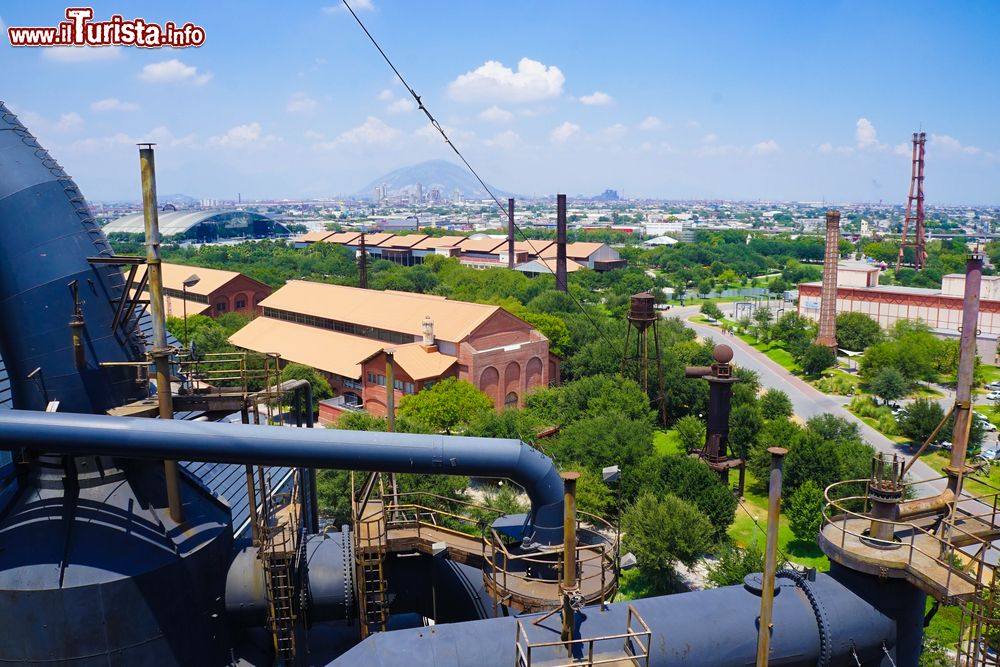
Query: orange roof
<point>534,246</point>
<point>482,245</point>
<point>403,241</point>
<point>439,242</point>
<point>395,311</point>
<point>377,238</point>
<point>341,237</point>
<point>174,306</point>
<point>329,351</point>
<point>174,276</point>
<point>418,363</point>
<point>578,250</point>
<point>312,237</point>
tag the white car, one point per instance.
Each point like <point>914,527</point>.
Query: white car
<point>988,426</point>
<point>993,395</point>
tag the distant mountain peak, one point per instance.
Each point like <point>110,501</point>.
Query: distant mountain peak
<point>442,174</point>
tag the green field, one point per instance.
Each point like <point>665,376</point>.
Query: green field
<point>775,352</point>
<point>667,442</point>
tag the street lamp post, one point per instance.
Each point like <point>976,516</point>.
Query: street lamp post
<point>190,281</point>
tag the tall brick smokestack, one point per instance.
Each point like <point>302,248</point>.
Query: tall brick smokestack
<point>561,283</point>
<point>828,298</point>
<point>510,233</point>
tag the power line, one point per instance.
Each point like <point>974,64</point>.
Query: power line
<point>433,121</point>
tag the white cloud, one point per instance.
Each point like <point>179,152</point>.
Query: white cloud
<point>173,71</point>
<point>616,131</point>
<point>313,135</point>
<point>158,135</point>
<point>692,125</point>
<point>597,98</point>
<point>68,121</point>
<point>301,103</point>
<point>401,105</point>
<point>80,54</point>
<point>243,136</point>
<point>902,149</point>
<point>458,135</point>
<point>765,147</point>
<point>826,148</point>
<point>493,81</point>
<point>562,134</point>
<point>865,135</point>
<point>650,123</point>
<point>949,144</point>
<point>372,132</point>
<point>495,115</point>
<point>385,96</point>
<point>113,104</point>
<point>506,139</point>
<point>710,138</point>
<point>356,5</point>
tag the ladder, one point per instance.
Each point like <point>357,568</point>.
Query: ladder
<point>369,559</point>
<point>279,552</point>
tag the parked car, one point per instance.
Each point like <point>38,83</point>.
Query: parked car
<point>993,386</point>
<point>945,444</point>
<point>993,395</point>
<point>989,454</point>
<point>987,425</point>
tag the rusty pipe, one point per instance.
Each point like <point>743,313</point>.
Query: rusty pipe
<point>568,585</point>
<point>770,556</point>
<point>161,351</point>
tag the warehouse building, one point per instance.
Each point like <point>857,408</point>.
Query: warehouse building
<point>345,333</point>
<point>211,292</point>
<point>202,226</point>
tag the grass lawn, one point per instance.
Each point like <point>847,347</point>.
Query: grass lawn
<point>667,442</point>
<point>945,625</point>
<point>938,459</point>
<point>923,391</point>
<point>775,352</point>
<point>744,531</point>
<point>990,373</point>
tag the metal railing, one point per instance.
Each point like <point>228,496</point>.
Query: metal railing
<point>528,577</point>
<point>636,643</point>
<point>938,543</point>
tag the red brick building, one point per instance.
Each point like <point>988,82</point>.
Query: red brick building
<point>344,332</point>
<point>217,292</point>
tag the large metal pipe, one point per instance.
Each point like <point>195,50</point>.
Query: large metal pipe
<point>561,281</point>
<point>765,626</point>
<point>161,351</point>
<point>311,448</point>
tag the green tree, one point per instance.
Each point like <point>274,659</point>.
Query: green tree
<point>590,396</point>
<point>709,309</point>
<point>805,510</point>
<point>920,419</point>
<point>817,358</point>
<point>776,433</point>
<point>449,404</point>
<point>551,326</point>
<point>603,440</point>
<point>208,335</point>
<point>320,387</point>
<point>735,562</point>
<point>810,457</point>
<point>857,331</point>
<point>691,432</point>
<point>775,404</point>
<point>745,423</point>
<point>662,532</point>
<point>889,384</point>
<point>687,478</point>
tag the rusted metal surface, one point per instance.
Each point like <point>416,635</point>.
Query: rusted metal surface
<point>915,207</point>
<point>770,556</point>
<point>510,233</point>
<point>828,300</point>
<point>720,380</point>
<point>561,283</point>
<point>161,351</point>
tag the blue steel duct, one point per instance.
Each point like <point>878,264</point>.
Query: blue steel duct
<point>308,448</point>
<point>711,628</point>
<point>48,234</point>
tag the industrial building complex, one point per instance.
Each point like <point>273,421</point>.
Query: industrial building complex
<point>346,332</point>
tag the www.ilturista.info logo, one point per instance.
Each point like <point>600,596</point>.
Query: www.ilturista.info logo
<point>80,30</point>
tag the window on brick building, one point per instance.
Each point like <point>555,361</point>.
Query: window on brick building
<point>372,378</point>
<point>241,303</point>
<point>220,307</point>
<point>381,380</point>
<point>397,384</point>
<point>510,401</point>
<point>408,388</point>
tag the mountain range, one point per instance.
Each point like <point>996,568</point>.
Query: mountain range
<point>442,174</point>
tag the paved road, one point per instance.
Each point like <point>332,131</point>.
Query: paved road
<point>807,401</point>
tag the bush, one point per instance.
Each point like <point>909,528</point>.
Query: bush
<point>736,562</point>
<point>863,406</point>
<point>817,358</point>
<point>745,424</point>
<point>320,387</point>
<point>662,532</point>
<point>805,511</point>
<point>887,423</point>
<point>691,432</point>
<point>709,309</point>
<point>775,404</point>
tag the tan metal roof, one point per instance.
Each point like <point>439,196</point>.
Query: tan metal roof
<point>174,276</point>
<point>418,363</point>
<point>482,245</point>
<point>312,237</point>
<point>174,306</point>
<point>578,250</point>
<point>394,311</point>
<point>534,247</point>
<point>440,242</point>
<point>377,238</point>
<point>404,241</point>
<point>329,351</point>
<point>342,237</point>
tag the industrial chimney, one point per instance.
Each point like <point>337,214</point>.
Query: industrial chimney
<point>828,297</point>
<point>510,233</point>
<point>561,283</point>
<point>428,327</point>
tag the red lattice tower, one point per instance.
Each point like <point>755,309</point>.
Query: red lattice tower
<point>915,207</point>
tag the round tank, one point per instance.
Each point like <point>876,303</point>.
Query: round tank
<point>641,311</point>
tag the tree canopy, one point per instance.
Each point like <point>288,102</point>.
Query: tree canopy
<point>448,405</point>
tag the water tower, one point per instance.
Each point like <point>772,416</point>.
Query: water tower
<point>635,357</point>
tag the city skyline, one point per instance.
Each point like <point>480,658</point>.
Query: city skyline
<point>803,104</point>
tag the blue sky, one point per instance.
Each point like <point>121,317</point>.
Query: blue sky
<point>796,101</point>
